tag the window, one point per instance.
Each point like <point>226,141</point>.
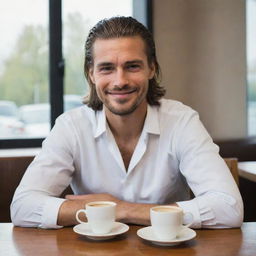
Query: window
<point>251,65</point>
<point>41,61</point>
<point>24,54</point>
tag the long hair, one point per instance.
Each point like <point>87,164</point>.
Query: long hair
<point>117,27</point>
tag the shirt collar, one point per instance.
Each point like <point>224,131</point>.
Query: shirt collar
<point>151,122</point>
<point>101,125</point>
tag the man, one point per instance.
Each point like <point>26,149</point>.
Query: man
<point>128,145</point>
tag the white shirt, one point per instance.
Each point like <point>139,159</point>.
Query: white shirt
<point>173,150</point>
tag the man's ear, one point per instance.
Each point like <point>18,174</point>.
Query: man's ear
<point>91,75</point>
<point>152,71</point>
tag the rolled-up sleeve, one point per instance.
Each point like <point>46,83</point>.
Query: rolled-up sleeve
<point>36,200</point>
<point>215,210</point>
<point>217,202</point>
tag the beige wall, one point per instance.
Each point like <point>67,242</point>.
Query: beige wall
<point>201,50</point>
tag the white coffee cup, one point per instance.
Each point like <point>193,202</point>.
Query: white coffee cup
<point>100,215</point>
<point>167,221</point>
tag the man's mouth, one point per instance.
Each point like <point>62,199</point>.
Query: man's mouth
<point>121,92</point>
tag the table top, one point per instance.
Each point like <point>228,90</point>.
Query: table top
<point>247,170</point>
<point>33,241</point>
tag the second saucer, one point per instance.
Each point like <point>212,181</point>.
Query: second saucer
<point>148,234</point>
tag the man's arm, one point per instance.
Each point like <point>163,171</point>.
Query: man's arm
<point>217,202</point>
<point>127,212</point>
<point>35,202</point>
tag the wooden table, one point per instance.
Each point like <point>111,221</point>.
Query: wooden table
<point>247,170</point>
<point>33,241</point>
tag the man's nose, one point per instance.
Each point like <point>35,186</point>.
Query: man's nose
<point>120,78</point>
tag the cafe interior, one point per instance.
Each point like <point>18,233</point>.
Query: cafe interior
<point>207,53</point>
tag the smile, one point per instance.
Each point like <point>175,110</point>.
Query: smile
<point>121,92</point>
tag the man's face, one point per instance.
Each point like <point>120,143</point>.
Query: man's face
<point>121,73</point>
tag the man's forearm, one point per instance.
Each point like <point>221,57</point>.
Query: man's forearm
<point>126,212</point>
<point>67,212</point>
<point>133,213</point>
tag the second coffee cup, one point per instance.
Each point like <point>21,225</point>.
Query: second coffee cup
<point>167,221</point>
<point>100,215</point>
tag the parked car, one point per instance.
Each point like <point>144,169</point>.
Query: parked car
<point>10,126</point>
<point>36,119</point>
<point>8,109</point>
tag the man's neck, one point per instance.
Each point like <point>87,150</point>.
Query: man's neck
<point>127,130</point>
<point>127,126</point>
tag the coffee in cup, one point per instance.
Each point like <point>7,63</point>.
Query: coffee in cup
<point>100,215</point>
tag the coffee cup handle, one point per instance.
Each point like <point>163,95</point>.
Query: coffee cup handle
<point>192,219</point>
<point>77,216</point>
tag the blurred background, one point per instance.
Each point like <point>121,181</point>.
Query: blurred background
<point>206,50</point>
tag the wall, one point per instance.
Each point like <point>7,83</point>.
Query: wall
<point>201,49</point>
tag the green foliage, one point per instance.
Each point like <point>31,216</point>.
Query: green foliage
<point>24,79</point>
<point>26,67</point>
<point>75,32</point>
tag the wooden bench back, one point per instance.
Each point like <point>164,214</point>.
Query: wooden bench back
<point>232,164</point>
<point>11,172</point>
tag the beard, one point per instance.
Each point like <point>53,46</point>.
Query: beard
<point>121,112</point>
<point>119,108</point>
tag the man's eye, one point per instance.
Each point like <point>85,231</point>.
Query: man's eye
<point>134,67</point>
<point>106,69</point>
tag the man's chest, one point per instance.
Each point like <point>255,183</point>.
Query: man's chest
<point>127,149</point>
<point>155,178</point>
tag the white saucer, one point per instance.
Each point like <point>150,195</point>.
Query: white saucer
<point>84,229</point>
<point>147,233</point>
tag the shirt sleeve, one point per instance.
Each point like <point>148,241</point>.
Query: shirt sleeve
<point>36,200</point>
<point>217,202</point>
